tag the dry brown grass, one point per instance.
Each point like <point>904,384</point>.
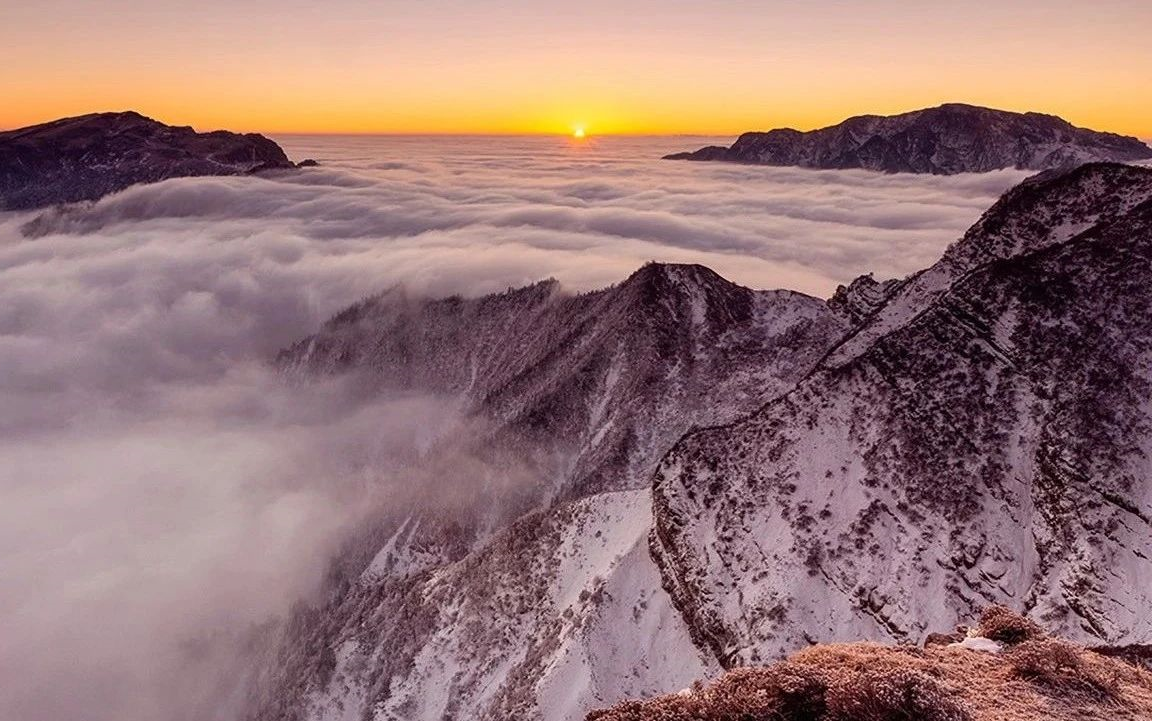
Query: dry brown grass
<point>1002,624</point>
<point>1036,678</point>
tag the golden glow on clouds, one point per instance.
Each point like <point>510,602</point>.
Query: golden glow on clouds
<point>610,66</point>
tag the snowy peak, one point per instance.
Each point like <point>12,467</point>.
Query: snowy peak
<point>951,138</point>
<point>611,376</point>
<point>689,292</point>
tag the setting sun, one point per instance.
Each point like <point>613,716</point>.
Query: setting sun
<point>578,132</point>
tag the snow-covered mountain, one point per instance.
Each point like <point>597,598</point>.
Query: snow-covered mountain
<point>470,614</point>
<point>604,380</point>
<point>875,466</point>
<point>982,437</point>
<point>87,157</point>
<point>951,138</point>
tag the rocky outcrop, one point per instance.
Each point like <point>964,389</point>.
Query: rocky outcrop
<point>982,438</point>
<point>863,297</point>
<point>90,156</point>
<point>952,138</point>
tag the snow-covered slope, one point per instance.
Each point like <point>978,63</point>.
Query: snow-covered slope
<point>555,615</point>
<point>951,138</point>
<point>983,437</point>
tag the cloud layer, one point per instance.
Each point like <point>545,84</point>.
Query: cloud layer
<point>452,214</point>
<point>158,482</point>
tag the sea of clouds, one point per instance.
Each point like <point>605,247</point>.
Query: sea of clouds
<point>159,482</point>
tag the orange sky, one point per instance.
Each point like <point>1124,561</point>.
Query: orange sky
<point>512,66</point>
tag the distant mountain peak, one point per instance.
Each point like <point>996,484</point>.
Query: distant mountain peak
<point>946,139</point>
<point>89,156</point>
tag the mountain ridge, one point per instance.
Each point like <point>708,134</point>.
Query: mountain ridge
<point>943,140</point>
<point>601,381</point>
<point>677,315</point>
<point>775,432</point>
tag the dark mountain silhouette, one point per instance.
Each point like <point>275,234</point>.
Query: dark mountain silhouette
<point>952,138</point>
<point>90,156</point>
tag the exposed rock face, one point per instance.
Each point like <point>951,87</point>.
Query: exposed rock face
<point>90,156</point>
<point>952,138</point>
<point>562,608</point>
<point>863,297</point>
<point>983,437</point>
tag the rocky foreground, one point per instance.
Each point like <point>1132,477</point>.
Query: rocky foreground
<point>952,138</point>
<point>90,156</point>
<point>1007,669</point>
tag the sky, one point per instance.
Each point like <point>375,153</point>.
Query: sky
<point>611,66</point>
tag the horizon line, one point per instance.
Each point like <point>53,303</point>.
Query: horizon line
<point>465,134</point>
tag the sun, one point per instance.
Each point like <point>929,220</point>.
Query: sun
<point>578,132</point>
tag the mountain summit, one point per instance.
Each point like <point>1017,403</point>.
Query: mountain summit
<point>470,615</point>
<point>949,139</point>
<point>90,156</point>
